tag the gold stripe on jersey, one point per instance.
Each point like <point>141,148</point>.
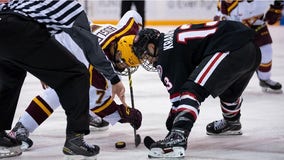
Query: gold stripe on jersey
<point>118,33</point>
<point>104,106</point>
<point>90,72</point>
<point>232,6</point>
<point>219,5</point>
<point>42,106</point>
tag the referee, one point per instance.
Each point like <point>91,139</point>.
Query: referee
<point>26,44</point>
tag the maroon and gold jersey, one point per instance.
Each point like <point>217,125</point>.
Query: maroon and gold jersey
<point>108,34</point>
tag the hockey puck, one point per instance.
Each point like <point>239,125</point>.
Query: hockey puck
<point>120,144</point>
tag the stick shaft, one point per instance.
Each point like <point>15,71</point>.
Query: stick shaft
<point>132,99</point>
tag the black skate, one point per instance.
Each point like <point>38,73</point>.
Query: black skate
<point>9,146</point>
<point>22,134</point>
<point>76,148</point>
<point>173,146</point>
<point>224,127</point>
<point>270,86</point>
<point>98,124</point>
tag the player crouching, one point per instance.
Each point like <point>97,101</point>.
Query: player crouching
<point>193,62</point>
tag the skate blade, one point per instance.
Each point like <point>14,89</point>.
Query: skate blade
<point>175,153</point>
<point>269,90</point>
<point>10,152</point>
<point>26,145</point>
<point>79,157</point>
<point>227,133</point>
<point>98,129</point>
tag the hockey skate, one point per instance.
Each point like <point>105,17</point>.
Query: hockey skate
<point>173,146</point>
<point>9,146</point>
<point>130,115</point>
<point>76,148</point>
<point>224,127</point>
<point>270,86</point>
<point>98,124</point>
<point>22,134</point>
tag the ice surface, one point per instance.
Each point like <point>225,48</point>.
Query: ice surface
<point>262,120</point>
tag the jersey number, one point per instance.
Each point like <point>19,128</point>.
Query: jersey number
<point>101,95</point>
<point>168,84</point>
<point>184,36</point>
<point>199,33</point>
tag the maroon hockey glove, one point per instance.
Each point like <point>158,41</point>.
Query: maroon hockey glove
<point>273,14</point>
<point>216,18</point>
<point>130,115</point>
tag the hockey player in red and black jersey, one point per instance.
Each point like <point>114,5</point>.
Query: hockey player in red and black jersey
<point>256,15</point>
<point>194,61</point>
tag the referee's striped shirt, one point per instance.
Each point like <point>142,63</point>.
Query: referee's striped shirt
<point>55,14</point>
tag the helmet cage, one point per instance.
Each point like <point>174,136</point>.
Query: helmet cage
<point>125,71</point>
<point>146,63</point>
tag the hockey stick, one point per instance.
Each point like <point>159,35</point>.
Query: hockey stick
<point>137,138</point>
<point>148,141</point>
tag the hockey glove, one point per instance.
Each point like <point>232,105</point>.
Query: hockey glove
<point>216,18</point>
<point>130,115</point>
<point>273,14</point>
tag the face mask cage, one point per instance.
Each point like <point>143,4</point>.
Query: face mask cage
<point>147,62</point>
<point>145,57</point>
<point>125,71</point>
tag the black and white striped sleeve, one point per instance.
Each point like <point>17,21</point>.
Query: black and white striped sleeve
<point>54,14</point>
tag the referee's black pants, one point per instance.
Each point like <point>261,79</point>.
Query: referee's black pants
<point>140,7</point>
<point>26,46</point>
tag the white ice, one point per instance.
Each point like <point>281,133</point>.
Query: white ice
<point>262,120</point>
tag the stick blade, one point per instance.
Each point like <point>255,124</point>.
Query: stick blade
<point>148,141</point>
<point>137,140</point>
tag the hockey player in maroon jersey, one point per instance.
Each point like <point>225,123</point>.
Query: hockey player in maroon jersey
<point>111,39</point>
<point>256,15</point>
<point>193,62</point>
